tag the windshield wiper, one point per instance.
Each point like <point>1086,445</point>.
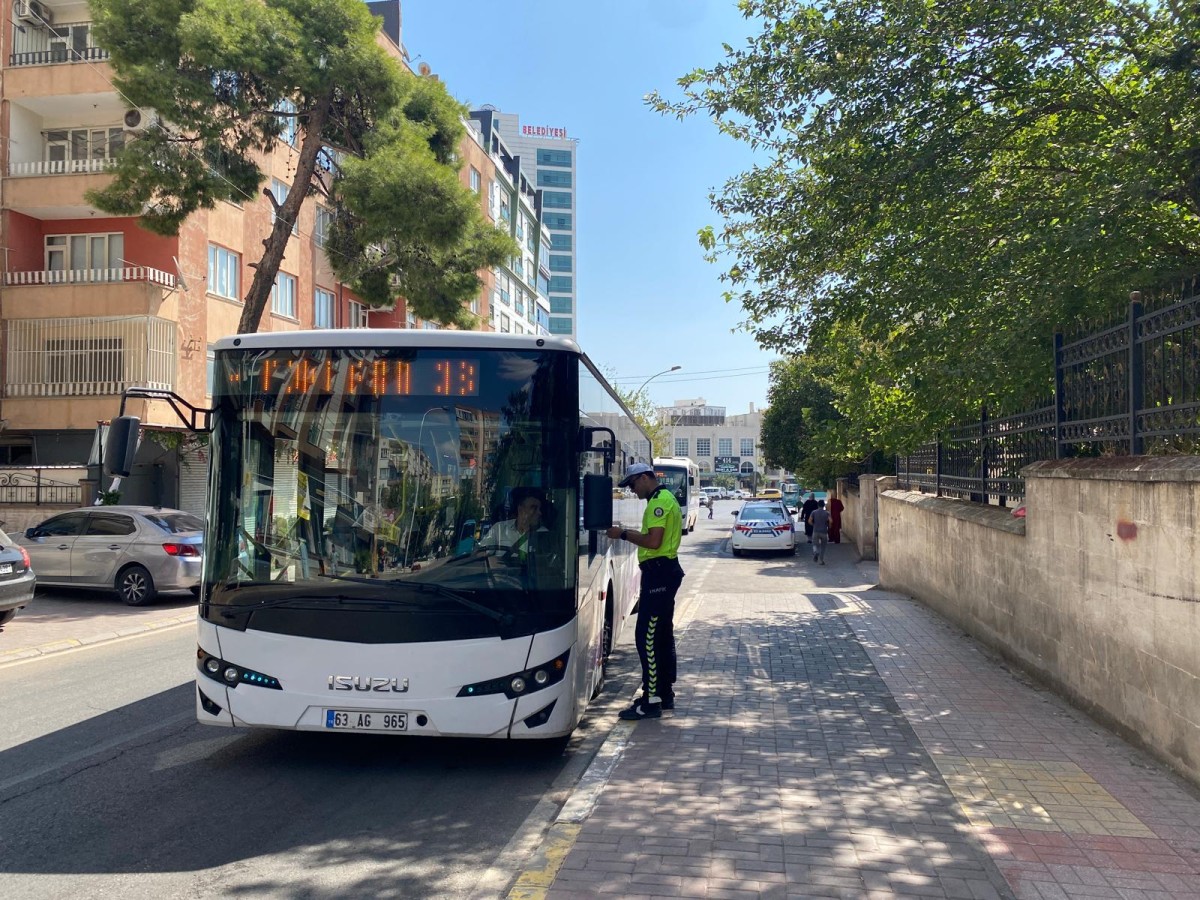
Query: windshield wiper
<point>429,587</point>
<point>312,602</point>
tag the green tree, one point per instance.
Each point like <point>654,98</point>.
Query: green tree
<point>943,184</point>
<point>645,414</point>
<point>802,430</point>
<point>227,79</point>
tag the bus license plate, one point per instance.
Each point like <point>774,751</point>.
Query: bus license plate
<point>364,720</point>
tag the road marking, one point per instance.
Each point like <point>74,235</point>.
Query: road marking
<point>71,645</point>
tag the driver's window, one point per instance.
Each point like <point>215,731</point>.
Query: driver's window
<point>68,525</point>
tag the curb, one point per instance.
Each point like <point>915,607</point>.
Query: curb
<point>60,646</point>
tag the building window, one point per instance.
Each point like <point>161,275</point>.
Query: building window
<point>561,284</point>
<point>554,158</point>
<point>557,221</point>
<point>85,361</point>
<point>703,447</point>
<point>81,144</point>
<point>288,123</point>
<point>280,191</point>
<point>560,325</point>
<point>476,179</point>
<point>560,263</point>
<point>505,323</point>
<point>561,305</point>
<point>283,295</point>
<point>553,179</point>
<point>724,446</point>
<point>82,252</point>
<point>560,242</point>
<point>224,272</point>
<point>747,446</point>
<point>556,200</point>
<point>321,226</point>
<point>681,446</point>
<point>358,315</point>
<point>322,308</point>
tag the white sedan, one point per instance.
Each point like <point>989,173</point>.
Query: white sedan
<point>763,525</point>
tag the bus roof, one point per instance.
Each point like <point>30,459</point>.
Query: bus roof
<point>393,337</point>
<point>673,461</point>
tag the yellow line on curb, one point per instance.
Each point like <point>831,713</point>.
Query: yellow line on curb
<point>535,881</point>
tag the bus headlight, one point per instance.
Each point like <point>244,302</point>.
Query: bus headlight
<point>232,675</point>
<point>518,684</point>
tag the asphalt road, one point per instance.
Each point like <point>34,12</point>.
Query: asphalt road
<point>109,788</point>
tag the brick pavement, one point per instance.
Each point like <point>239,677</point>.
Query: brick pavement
<point>833,741</point>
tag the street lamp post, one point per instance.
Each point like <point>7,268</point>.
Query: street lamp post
<point>417,493</point>
<point>643,387</point>
<point>652,377</point>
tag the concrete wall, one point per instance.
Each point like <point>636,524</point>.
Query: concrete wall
<point>860,518</point>
<point>1097,591</point>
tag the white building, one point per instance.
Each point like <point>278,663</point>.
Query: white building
<point>719,443</point>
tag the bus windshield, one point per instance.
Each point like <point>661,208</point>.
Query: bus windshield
<point>385,484</point>
<point>674,479</point>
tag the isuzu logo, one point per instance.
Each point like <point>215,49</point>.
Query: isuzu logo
<point>367,683</point>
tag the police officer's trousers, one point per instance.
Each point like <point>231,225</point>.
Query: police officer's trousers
<point>655,629</point>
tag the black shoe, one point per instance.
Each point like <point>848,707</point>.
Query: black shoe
<point>641,710</point>
<point>668,701</point>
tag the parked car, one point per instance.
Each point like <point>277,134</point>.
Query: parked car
<point>769,494</point>
<point>136,551</point>
<point>704,499</point>
<point>17,580</point>
<point>763,525</point>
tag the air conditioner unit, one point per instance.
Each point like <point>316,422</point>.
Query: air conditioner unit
<point>34,12</point>
<point>138,121</point>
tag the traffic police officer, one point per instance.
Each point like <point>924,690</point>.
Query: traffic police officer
<point>658,547</point>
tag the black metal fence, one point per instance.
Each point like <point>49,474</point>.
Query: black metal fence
<point>1128,389</point>
<point>37,485</point>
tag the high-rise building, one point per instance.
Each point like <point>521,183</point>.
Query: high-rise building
<point>550,156</point>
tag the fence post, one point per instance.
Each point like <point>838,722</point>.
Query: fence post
<point>1135,373</point>
<point>983,454</point>
<point>1060,401</point>
<point>937,466</point>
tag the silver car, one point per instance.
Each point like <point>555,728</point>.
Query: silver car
<point>16,578</point>
<point>137,551</point>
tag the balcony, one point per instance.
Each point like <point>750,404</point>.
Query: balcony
<point>91,276</point>
<point>59,167</point>
<point>39,44</point>
<point>89,356</point>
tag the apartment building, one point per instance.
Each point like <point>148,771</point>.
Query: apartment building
<point>549,157</point>
<point>520,298</point>
<point>91,304</point>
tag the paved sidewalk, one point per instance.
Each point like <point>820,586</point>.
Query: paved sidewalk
<point>66,620</point>
<point>831,740</point>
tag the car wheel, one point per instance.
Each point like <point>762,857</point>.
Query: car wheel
<point>794,548</point>
<point>736,551</point>
<point>135,586</point>
<point>7,615</point>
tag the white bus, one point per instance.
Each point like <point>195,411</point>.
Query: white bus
<point>682,477</point>
<point>349,580</point>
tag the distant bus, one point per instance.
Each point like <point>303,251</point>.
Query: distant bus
<point>350,579</point>
<point>682,477</point>
<point>791,493</point>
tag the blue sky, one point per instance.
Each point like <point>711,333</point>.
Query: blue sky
<point>647,298</point>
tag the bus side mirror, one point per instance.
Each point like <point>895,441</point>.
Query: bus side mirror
<point>121,446</point>
<point>597,502</point>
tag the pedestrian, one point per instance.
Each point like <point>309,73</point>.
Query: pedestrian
<point>712,501</point>
<point>835,519</point>
<point>818,521</point>
<point>806,510</point>
<point>658,548</point>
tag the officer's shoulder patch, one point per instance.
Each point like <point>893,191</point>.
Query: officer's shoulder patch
<point>658,510</point>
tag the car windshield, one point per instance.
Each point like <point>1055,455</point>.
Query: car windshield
<point>761,511</point>
<point>176,523</point>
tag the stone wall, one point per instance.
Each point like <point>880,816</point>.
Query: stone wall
<point>1097,590</point>
<point>860,517</point>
